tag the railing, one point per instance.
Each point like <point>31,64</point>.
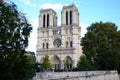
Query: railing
<point>93,75</point>
<point>83,75</point>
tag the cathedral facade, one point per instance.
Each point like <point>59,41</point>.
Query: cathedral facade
<point>60,43</point>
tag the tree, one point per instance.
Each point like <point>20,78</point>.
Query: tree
<point>46,63</point>
<point>38,67</point>
<point>84,64</point>
<point>14,33</point>
<point>66,64</point>
<point>101,45</point>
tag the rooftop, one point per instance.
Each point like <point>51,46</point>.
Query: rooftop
<point>70,6</point>
<point>47,10</point>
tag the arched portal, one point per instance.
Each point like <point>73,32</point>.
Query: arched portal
<point>56,63</point>
<point>68,63</point>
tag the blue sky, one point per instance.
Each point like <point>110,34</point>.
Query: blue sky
<point>90,11</point>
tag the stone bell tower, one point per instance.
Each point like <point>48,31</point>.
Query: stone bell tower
<point>71,30</point>
<point>70,15</point>
<point>47,20</point>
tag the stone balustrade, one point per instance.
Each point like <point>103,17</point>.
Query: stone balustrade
<point>83,75</point>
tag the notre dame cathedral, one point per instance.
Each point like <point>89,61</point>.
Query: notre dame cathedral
<point>60,43</point>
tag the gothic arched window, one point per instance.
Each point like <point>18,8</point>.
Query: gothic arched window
<point>67,18</point>
<point>44,21</point>
<point>47,20</point>
<point>43,45</point>
<point>71,16</point>
<point>47,45</point>
<point>67,44</point>
<point>71,44</point>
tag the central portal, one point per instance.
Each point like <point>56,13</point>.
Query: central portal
<point>56,63</point>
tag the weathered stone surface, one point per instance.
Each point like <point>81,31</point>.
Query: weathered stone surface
<point>68,36</point>
<point>83,75</point>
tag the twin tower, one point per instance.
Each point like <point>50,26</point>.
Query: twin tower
<point>60,43</point>
<point>69,16</point>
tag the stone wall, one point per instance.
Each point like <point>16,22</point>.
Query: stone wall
<point>83,75</point>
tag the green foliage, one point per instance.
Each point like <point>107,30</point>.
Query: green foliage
<point>38,67</point>
<point>46,63</point>
<point>101,45</point>
<point>84,64</point>
<point>66,64</point>
<point>14,33</point>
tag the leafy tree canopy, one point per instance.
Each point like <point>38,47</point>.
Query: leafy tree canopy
<point>84,64</point>
<point>14,33</point>
<point>101,45</point>
<point>46,63</point>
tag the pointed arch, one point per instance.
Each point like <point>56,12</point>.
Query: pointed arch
<point>47,45</point>
<point>48,20</point>
<point>43,46</point>
<point>56,62</point>
<point>71,44</point>
<point>71,17</point>
<point>69,59</point>
<point>66,17</point>
<point>66,44</point>
<point>68,63</point>
<point>44,21</point>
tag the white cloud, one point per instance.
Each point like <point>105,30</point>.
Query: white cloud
<point>33,5</point>
<point>33,35</point>
<point>83,30</point>
<point>66,4</point>
<point>27,2</point>
<point>59,23</point>
<point>34,22</point>
<point>6,0</point>
<point>53,6</point>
